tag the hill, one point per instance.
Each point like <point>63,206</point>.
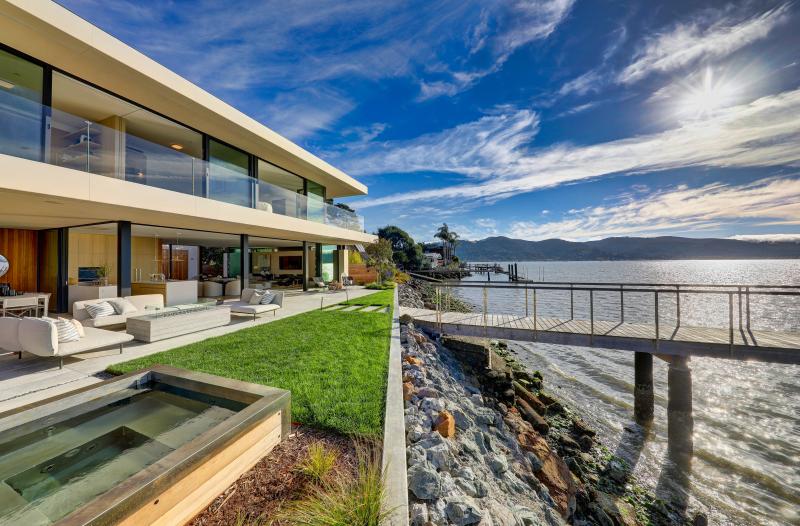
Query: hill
<point>623,248</point>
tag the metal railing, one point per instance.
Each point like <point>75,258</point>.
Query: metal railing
<point>660,289</point>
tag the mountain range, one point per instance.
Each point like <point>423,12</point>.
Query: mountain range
<point>502,248</point>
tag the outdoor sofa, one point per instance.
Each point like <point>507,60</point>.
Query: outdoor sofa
<point>40,337</point>
<point>244,305</point>
<point>141,303</point>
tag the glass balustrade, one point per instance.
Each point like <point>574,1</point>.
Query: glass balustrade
<point>74,142</point>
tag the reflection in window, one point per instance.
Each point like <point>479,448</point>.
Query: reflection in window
<point>229,178</point>
<point>21,110</point>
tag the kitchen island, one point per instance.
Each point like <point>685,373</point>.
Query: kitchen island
<point>175,292</point>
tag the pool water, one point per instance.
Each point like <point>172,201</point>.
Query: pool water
<point>53,469</point>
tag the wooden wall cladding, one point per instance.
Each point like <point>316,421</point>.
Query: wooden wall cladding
<point>20,247</point>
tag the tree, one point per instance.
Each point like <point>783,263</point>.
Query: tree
<point>379,257</point>
<point>449,241</point>
<point>405,252</point>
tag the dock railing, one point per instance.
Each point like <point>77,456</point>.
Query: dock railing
<point>742,291</point>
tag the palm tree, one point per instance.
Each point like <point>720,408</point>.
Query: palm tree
<point>449,241</point>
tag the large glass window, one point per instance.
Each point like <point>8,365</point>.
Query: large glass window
<point>316,201</point>
<point>98,132</point>
<point>229,178</point>
<point>21,110</point>
<point>280,191</point>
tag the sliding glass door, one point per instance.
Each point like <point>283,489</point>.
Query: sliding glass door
<point>21,111</point>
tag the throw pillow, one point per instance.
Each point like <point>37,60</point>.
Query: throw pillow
<point>122,306</point>
<point>267,298</point>
<point>257,296</point>
<point>79,327</point>
<point>99,310</point>
<point>66,331</point>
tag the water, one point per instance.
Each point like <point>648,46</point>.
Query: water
<point>746,464</point>
<point>53,470</point>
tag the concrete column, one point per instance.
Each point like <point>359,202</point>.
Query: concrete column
<point>680,423</point>
<point>643,387</point>
<point>244,260</point>
<point>305,265</point>
<point>123,258</point>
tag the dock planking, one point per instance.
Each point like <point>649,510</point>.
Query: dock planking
<point>758,345</point>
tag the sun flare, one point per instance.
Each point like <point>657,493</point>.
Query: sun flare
<point>705,99</point>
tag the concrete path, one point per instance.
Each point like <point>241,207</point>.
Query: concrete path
<point>33,379</point>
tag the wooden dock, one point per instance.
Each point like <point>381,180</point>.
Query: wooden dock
<point>759,345</point>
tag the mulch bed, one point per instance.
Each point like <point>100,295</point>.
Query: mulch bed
<point>275,481</point>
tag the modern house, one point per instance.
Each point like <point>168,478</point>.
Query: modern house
<point>116,173</point>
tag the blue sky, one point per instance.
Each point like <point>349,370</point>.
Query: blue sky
<point>566,118</point>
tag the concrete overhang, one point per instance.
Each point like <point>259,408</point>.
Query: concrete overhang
<point>36,195</point>
<point>55,35</point>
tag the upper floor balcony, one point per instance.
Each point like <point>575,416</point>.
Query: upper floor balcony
<point>39,132</point>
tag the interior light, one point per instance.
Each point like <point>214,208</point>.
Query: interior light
<point>6,84</point>
<point>176,146</point>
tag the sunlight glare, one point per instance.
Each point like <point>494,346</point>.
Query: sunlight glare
<point>702,101</point>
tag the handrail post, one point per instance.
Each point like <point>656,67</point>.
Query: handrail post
<point>747,297</point>
<point>526,301</point>
<point>535,334</point>
<point>740,307</point>
<point>591,317</point>
<point>658,334</point>
<point>485,308</point>
<point>571,302</point>
<point>621,304</point>
<point>730,320</point>
<point>678,304</point>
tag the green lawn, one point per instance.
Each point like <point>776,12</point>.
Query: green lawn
<point>334,363</point>
<point>383,298</point>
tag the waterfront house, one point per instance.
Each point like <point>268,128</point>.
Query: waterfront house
<point>117,174</point>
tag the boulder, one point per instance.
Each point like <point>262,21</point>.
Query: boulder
<point>586,442</point>
<point>446,424</point>
<point>462,512</point>
<point>530,398</point>
<point>568,444</point>
<point>497,462</point>
<point>581,428</point>
<point>424,482</point>
<point>412,360</point>
<point>620,512</point>
<point>418,515</point>
<point>528,413</point>
<point>408,391</point>
<point>554,474</point>
<point>427,392</point>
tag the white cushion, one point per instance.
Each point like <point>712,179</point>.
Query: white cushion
<point>143,301</point>
<point>267,297</point>
<point>99,310</point>
<point>256,297</point>
<point>105,321</point>
<point>66,331</point>
<point>122,306</point>
<point>247,294</point>
<point>246,308</point>
<point>95,339</point>
<point>78,327</point>
<point>38,336</point>
<point>9,334</point>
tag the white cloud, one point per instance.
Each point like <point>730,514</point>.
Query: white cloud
<point>589,81</point>
<point>676,210</point>
<point>300,113</point>
<point>493,151</point>
<point>713,34</point>
<point>767,238</point>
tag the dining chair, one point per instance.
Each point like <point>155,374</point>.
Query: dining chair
<point>18,307</point>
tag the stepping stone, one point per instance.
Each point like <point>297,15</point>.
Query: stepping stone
<point>371,308</point>
<point>351,308</point>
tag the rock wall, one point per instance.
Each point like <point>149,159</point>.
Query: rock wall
<point>466,464</point>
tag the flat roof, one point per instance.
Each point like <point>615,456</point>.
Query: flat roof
<point>56,36</point>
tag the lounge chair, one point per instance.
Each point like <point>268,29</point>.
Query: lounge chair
<point>243,306</point>
<point>40,337</point>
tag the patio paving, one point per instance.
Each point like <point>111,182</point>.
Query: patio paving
<point>32,378</point>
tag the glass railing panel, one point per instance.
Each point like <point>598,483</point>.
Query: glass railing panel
<point>229,186</point>
<point>84,145</point>
<point>343,218</point>
<point>20,126</point>
<point>283,201</point>
<point>163,167</point>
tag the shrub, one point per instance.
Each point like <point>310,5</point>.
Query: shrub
<point>319,462</point>
<point>386,285</point>
<point>401,277</point>
<point>345,501</point>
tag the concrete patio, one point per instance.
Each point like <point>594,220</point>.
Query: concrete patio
<point>32,378</point>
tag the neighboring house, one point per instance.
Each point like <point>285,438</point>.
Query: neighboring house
<point>432,259</point>
<point>115,171</point>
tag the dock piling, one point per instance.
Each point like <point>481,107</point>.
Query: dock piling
<point>680,422</point>
<point>643,396</point>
